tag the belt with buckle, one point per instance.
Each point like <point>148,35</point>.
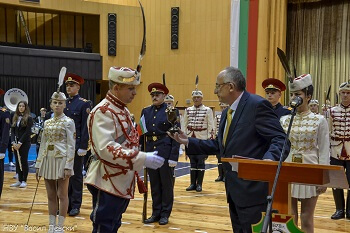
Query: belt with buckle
<point>340,139</point>
<point>196,129</point>
<point>50,147</point>
<point>155,138</point>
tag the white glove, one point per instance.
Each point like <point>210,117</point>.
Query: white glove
<point>2,155</point>
<point>153,161</point>
<point>81,152</point>
<point>172,163</point>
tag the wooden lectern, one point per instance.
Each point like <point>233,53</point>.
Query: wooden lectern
<point>311,174</point>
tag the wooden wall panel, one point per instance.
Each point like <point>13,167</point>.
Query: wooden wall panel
<point>56,35</point>
<point>79,31</point>
<point>2,24</point>
<point>31,25</point>
<point>40,29</point>
<point>67,31</point>
<point>48,30</point>
<point>11,25</point>
<point>91,36</point>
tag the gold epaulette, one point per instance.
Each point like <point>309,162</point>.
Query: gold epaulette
<point>85,100</point>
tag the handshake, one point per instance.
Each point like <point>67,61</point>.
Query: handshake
<point>154,161</point>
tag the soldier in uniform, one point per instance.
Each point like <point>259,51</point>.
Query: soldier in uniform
<point>198,123</point>
<point>4,138</point>
<point>78,109</point>
<point>340,147</point>
<point>313,105</point>
<point>156,139</point>
<point>221,176</point>
<point>115,152</point>
<point>169,100</point>
<point>273,89</point>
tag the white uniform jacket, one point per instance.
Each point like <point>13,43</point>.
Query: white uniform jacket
<point>309,139</point>
<point>58,136</point>
<point>199,122</point>
<point>340,132</point>
<point>114,146</point>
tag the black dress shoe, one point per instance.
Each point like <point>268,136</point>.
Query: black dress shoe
<point>152,219</point>
<point>163,221</point>
<point>74,212</point>
<point>347,214</point>
<point>339,214</point>
<point>199,188</point>
<point>219,179</point>
<point>191,187</point>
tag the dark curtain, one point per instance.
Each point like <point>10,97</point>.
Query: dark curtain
<point>318,42</point>
<point>39,90</point>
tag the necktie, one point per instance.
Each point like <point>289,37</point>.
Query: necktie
<point>228,123</point>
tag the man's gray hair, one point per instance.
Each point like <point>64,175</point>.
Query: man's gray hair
<point>234,75</point>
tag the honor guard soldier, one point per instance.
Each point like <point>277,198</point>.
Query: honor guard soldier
<point>157,139</point>
<point>313,105</point>
<point>169,100</point>
<point>273,90</point>
<point>116,158</point>
<point>198,123</point>
<point>340,147</point>
<point>4,138</point>
<point>78,109</point>
<point>221,176</point>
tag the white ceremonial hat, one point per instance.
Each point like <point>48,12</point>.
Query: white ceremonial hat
<point>300,82</point>
<point>124,75</point>
<point>345,86</point>
<point>169,98</point>
<point>197,93</point>
<point>313,102</point>
<point>58,96</point>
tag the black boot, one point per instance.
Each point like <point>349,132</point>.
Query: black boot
<point>221,175</point>
<point>348,205</point>
<point>200,180</point>
<point>338,195</point>
<point>192,186</point>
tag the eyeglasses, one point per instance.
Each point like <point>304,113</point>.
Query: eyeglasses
<point>218,85</point>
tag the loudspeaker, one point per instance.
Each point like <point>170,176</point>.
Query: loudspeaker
<point>112,34</point>
<point>175,27</point>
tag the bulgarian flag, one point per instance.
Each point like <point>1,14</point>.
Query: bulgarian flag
<point>141,128</point>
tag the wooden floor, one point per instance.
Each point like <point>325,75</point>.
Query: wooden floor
<point>192,212</point>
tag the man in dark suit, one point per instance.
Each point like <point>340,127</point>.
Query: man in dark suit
<point>249,127</point>
<point>156,139</point>
<point>4,138</point>
<point>78,109</point>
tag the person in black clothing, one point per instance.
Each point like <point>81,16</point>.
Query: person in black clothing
<point>78,109</point>
<point>20,136</point>
<point>273,89</point>
<point>156,139</point>
<point>4,138</point>
<point>9,145</point>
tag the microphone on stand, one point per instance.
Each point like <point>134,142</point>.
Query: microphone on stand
<point>267,222</point>
<point>296,102</point>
